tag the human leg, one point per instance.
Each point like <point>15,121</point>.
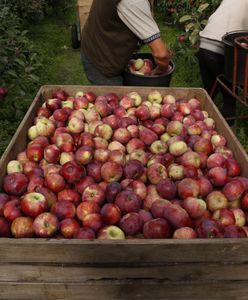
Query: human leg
<point>97,78</point>
<point>211,65</point>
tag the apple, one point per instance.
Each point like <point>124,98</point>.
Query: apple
<point>12,209</point>
<point>239,216</point>
<point>111,171</point>
<point>85,208</point>
<point>52,153</point>
<point>133,169</point>
<point>64,141</point>
<point>69,195</point>
<point>52,104</point>
<point>234,231</point>
<point>156,229</point>
<point>33,204</point>
<point>156,172</point>
<point>174,128</point>
<point>72,171</point>
<point>195,207</point>
<point>94,193</point>
<point>175,171</point>
<point>110,213</point>
<point>142,113</point>
<point>65,157</point>
<point>140,155</point>
<point>35,152</point>
<point>233,167</point>
<point>63,209</point>
<point>60,94</point>
<point>134,144</point>
<point>166,188</point>
<point>225,216</point>
<point>55,182</point>
<point>131,224</point>
<point>184,233</point>
<point>216,200</point>
<point>94,170</point>
<point>14,166</point>
<point>22,227</point>
<point>33,132</point>
<point>60,115</point>
<point>45,127</point>
<point>188,187</point>
<point>85,233</point>
<point>178,148</point>
<point>50,196</point>
<point>110,232</point>
<point>15,183</point>
<point>210,229</point>
<point>121,135</point>
<point>128,201</point>
<point>155,97</point>
<point>45,225</point>
<point>233,190</point>
<point>112,189</point>
<point>138,187</point>
<point>104,131</point>
<point>83,183</point>
<point>190,158</point>
<point>93,221</point>
<point>218,176</point>
<point>147,135</point>
<point>69,227</point>
<point>216,160</point>
<point>5,228</point>
<point>158,207</point>
<point>205,186</point>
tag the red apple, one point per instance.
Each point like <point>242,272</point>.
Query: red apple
<point>210,229</point>
<point>166,188</point>
<point>188,187</point>
<point>33,204</point>
<point>69,227</point>
<point>110,213</point>
<point>22,227</point>
<point>128,201</point>
<point>93,193</point>
<point>156,172</point>
<point>85,233</point>
<point>15,183</point>
<point>111,171</point>
<point>93,221</point>
<point>72,171</point>
<point>63,209</point>
<point>5,228</point>
<point>45,225</point>
<point>55,182</point>
<point>156,229</point>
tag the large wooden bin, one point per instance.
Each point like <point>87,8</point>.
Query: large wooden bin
<point>166,269</point>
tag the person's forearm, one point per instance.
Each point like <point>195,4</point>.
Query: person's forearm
<point>161,55</point>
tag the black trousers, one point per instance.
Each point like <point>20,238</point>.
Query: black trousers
<point>211,65</point>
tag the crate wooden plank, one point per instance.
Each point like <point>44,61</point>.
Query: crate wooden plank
<point>76,273</point>
<point>123,251</point>
<point>126,289</point>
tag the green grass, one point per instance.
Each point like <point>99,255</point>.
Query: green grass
<point>52,39</point>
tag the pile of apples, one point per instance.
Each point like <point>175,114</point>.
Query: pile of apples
<point>140,66</point>
<point>109,167</point>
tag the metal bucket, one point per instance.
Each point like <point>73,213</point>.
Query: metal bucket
<point>229,45</point>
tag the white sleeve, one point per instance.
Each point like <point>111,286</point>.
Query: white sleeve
<point>137,16</point>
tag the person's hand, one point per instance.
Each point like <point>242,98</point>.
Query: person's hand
<point>158,72</point>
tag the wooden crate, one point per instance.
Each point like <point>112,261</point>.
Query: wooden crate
<point>125,269</point>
